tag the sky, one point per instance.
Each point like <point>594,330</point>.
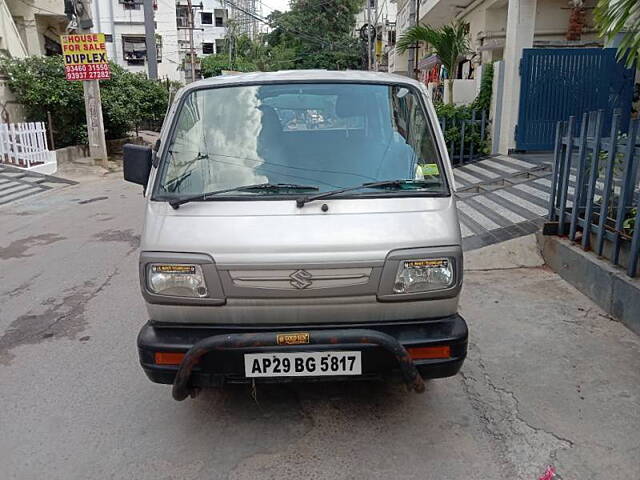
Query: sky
<point>269,5</point>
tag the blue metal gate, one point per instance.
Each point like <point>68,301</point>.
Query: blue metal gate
<point>559,83</point>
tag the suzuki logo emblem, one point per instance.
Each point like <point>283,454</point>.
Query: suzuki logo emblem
<point>301,279</point>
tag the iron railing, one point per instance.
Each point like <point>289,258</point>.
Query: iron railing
<point>595,190</point>
<point>466,138</point>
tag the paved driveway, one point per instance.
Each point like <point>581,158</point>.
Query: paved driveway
<point>501,198</point>
<point>550,379</point>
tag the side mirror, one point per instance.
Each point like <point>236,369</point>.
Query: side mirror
<point>137,163</point>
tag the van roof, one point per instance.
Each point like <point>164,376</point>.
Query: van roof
<point>284,76</point>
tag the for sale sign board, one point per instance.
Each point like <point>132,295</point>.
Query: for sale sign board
<point>85,56</point>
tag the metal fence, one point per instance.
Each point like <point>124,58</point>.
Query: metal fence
<point>595,190</point>
<point>466,138</point>
<point>24,145</point>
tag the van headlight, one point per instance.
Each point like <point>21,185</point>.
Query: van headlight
<point>177,280</point>
<point>415,276</point>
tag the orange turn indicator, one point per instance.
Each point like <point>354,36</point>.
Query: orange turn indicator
<point>422,353</point>
<point>168,358</point>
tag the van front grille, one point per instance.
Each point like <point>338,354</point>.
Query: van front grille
<point>300,279</point>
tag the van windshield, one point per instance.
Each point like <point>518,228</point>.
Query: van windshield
<point>300,137</point>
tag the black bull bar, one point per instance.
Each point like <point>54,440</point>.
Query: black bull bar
<point>410,374</point>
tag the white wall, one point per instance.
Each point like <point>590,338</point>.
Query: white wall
<point>398,62</point>
<point>464,91</point>
<point>10,40</point>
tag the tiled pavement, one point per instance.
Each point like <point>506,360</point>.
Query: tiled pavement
<point>16,184</point>
<point>501,198</point>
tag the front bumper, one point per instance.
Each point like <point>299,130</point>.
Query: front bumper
<point>215,354</point>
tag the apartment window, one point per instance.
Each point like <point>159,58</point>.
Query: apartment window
<point>391,37</point>
<point>221,17</point>
<point>207,48</point>
<point>131,4</point>
<point>182,16</point>
<point>134,49</point>
<point>220,45</point>
<point>372,3</point>
<point>51,47</point>
<point>206,18</point>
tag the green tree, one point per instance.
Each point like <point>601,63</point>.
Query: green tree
<point>131,99</point>
<point>450,43</point>
<point>621,16</point>
<point>312,34</point>
<point>213,65</point>
<point>316,34</point>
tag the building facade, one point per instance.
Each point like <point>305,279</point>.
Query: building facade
<point>246,17</point>
<point>27,28</point>
<point>210,23</point>
<point>405,18</point>
<point>122,21</point>
<point>499,31</point>
<point>381,14</point>
<point>31,28</point>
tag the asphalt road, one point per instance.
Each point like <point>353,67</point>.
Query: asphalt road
<point>549,380</point>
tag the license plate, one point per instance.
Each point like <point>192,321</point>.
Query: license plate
<point>302,364</point>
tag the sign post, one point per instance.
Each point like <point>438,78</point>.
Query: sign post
<point>85,59</point>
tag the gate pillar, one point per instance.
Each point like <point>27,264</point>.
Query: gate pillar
<point>521,24</point>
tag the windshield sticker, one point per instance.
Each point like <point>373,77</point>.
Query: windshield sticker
<point>430,169</point>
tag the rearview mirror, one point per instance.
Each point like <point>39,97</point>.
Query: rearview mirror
<point>137,163</point>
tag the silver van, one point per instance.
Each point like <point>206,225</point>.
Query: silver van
<point>299,225</point>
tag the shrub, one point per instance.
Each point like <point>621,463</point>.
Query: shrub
<point>483,100</point>
<point>128,99</point>
<point>453,116</point>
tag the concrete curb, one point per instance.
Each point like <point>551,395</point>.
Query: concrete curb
<point>608,286</point>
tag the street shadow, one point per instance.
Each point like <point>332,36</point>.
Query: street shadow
<point>299,401</point>
<point>237,428</point>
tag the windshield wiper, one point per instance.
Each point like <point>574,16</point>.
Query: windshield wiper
<point>269,187</point>
<point>393,184</point>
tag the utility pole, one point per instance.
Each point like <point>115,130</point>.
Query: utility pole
<point>368,34</point>
<point>411,50</point>
<point>416,59</point>
<point>230,33</point>
<point>92,101</point>
<point>375,36</point>
<point>191,49</point>
<point>150,40</point>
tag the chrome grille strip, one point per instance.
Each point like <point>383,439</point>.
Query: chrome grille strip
<point>315,277</point>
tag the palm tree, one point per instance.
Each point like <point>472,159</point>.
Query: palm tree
<point>621,16</point>
<point>449,42</point>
